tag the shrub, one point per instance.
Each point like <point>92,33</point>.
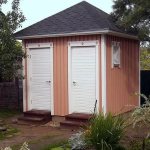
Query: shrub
<point>105,131</point>
<point>142,113</point>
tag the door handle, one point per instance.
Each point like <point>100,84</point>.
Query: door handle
<point>74,83</point>
<point>48,81</point>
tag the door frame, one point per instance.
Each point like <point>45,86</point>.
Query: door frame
<point>83,44</point>
<point>28,73</point>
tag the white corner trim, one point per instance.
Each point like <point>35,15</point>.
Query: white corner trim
<point>52,80</point>
<point>24,80</point>
<point>39,45</point>
<point>103,72</point>
<point>83,44</point>
<point>69,78</point>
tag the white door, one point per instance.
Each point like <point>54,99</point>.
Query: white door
<point>41,78</point>
<point>83,79</point>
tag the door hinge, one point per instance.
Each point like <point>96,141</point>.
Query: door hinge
<point>31,101</point>
<point>28,56</point>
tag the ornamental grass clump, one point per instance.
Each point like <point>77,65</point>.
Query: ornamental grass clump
<point>105,132</point>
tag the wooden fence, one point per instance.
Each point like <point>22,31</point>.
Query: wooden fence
<point>11,95</point>
<point>145,84</point>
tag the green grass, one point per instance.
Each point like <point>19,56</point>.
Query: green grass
<point>10,132</point>
<point>58,146</point>
<point>7,113</point>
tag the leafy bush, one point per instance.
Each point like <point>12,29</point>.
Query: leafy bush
<point>142,113</point>
<point>105,132</point>
<point>77,141</point>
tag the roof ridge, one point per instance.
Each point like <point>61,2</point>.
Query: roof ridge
<point>100,11</point>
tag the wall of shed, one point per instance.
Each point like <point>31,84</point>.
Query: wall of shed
<point>122,83</point>
<point>60,49</point>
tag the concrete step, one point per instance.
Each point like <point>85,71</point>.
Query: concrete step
<point>36,116</point>
<point>79,117</point>
<point>76,120</point>
<point>72,124</point>
<point>33,119</point>
<point>37,113</point>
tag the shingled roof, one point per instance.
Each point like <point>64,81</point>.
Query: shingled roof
<point>82,17</point>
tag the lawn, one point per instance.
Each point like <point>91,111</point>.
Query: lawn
<point>10,132</point>
<point>5,114</point>
<point>62,145</point>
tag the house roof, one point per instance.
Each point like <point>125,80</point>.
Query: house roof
<point>80,18</point>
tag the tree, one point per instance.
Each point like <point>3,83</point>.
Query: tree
<point>10,51</point>
<point>145,58</point>
<point>133,16</point>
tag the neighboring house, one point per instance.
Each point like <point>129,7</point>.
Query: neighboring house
<point>76,57</point>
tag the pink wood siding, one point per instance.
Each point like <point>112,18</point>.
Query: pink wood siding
<point>123,82</point>
<point>61,69</point>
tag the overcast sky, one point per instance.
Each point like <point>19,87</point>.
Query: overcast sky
<point>36,10</point>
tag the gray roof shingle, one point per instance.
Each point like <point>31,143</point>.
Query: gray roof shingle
<point>81,17</point>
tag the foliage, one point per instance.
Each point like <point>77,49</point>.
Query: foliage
<point>145,58</point>
<point>141,118</point>
<point>105,131</point>
<point>10,50</point>
<point>142,113</point>
<point>60,148</point>
<point>133,16</point>
<point>23,147</point>
<point>63,145</point>
<point>77,141</point>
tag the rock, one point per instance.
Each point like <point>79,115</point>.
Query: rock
<point>2,123</point>
<point>14,121</point>
<point>3,129</point>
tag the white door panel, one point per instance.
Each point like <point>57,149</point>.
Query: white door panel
<point>83,79</point>
<point>40,78</point>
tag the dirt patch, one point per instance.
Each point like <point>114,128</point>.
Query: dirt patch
<point>38,136</point>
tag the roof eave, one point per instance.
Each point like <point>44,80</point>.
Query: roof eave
<point>110,32</point>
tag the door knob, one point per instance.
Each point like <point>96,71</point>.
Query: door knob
<point>74,83</point>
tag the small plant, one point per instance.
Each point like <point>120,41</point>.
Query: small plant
<point>23,147</point>
<point>77,141</point>
<point>105,132</point>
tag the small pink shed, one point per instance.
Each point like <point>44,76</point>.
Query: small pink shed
<point>77,57</point>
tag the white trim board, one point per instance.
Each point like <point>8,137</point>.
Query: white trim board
<point>83,44</point>
<point>103,71</point>
<point>39,45</point>
<point>24,80</point>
